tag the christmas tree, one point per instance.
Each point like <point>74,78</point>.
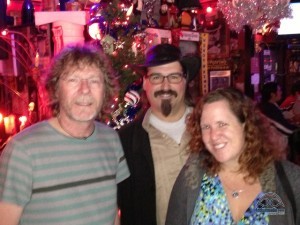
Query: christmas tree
<point>120,33</point>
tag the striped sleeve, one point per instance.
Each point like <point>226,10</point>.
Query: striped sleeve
<point>122,169</point>
<point>15,175</point>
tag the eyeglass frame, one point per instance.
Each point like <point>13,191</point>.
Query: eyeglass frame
<point>163,77</point>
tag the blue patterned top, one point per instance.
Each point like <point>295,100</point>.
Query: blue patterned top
<point>212,207</point>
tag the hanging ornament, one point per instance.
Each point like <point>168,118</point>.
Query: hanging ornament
<point>132,98</point>
<point>96,10</point>
<point>139,43</point>
<point>107,43</point>
<point>119,44</point>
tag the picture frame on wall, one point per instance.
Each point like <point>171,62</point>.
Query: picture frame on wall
<point>219,79</point>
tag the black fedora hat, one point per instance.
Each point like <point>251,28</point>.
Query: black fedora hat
<point>166,53</point>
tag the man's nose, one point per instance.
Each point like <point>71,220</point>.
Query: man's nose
<point>165,83</point>
<point>84,85</point>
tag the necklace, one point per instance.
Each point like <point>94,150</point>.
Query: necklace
<point>234,193</point>
<point>65,130</point>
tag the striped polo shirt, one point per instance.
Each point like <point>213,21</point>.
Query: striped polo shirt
<point>63,180</point>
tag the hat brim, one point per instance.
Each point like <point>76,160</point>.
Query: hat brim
<point>191,63</point>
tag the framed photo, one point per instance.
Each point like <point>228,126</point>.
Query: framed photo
<point>218,40</point>
<point>219,79</point>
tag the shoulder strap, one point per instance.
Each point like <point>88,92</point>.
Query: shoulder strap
<point>286,186</point>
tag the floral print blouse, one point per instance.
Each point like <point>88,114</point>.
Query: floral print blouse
<point>212,207</point>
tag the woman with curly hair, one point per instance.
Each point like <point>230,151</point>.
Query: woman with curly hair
<point>233,175</point>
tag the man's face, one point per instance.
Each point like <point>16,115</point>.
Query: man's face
<point>166,99</point>
<point>81,94</point>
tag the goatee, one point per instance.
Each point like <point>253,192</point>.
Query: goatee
<point>166,107</point>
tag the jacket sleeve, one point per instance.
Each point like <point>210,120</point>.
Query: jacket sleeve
<point>125,197</point>
<point>177,209</point>
<point>293,174</point>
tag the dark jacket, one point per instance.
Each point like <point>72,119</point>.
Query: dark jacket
<point>187,188</point>
<point>274,113</point>
<point>136,195</point>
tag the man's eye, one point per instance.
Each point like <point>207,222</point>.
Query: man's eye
<point>155,77</point>
<point>72,80</point>
<point>175,77</point>
<point>95,81</point>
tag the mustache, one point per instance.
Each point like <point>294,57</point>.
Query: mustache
<point>162,92</point>
<point>84,100</point>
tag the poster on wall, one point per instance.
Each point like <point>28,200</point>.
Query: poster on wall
<point>219,79</point>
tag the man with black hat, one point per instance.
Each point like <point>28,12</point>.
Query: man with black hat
<point>156,145</point>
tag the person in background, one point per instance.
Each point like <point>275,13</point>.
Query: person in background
<point>270,96</point>
<point>65,170</point>
<point>155,144</point>
<point>232,175</point>
<point>291,105</point>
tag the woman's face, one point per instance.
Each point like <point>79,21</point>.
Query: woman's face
<point>222,132</point>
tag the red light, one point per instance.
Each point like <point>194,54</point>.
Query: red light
<point>209,9</point>
<point>4,32</point>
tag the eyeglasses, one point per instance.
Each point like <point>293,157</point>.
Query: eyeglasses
<point>173,78</point>
<point>93,82</point>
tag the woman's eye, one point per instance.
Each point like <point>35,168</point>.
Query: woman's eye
<point>221,124</point>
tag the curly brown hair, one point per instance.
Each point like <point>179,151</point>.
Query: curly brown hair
<point>259,149</point>
<point>76,57</point>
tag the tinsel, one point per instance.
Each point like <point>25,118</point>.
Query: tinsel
<point>255,13</point>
